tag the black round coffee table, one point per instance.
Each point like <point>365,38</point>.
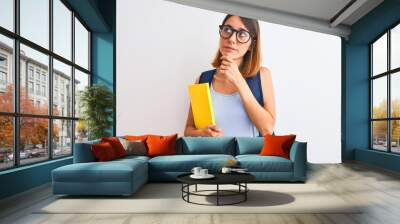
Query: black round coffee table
<point>238,179</point>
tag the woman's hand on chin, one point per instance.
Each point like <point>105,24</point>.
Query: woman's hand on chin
<point>229,71</point>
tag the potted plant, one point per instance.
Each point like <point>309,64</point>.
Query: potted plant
<point>96,102</point>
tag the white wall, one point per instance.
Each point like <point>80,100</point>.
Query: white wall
<point>163,46</point>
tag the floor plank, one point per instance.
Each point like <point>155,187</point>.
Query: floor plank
<point>377,189</point>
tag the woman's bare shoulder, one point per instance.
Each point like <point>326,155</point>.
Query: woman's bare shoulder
<point>264,71</point>
<point>265,74</point>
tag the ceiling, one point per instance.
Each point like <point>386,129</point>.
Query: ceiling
<point>97,15</point>
<point>326,16</point>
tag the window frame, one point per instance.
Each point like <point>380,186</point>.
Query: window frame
<point>15,72</point>
<point>388,74</point>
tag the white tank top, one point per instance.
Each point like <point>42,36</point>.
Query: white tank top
<point>231,116</point>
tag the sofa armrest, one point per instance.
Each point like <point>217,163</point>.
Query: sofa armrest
<point>83,152</point>
<point>298,155</point>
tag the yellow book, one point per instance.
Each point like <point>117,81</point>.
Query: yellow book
<point>201,104</point>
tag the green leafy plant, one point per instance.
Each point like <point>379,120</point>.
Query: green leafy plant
<point>96,102</point>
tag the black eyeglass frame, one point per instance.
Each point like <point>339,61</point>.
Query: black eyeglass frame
<point>237,32</point>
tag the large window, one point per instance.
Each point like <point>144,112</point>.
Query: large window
<point>7,14</point>
<point>44,64</point>
<point>385,91</point>
<point>34,21</point>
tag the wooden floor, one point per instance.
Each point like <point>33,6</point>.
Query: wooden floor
<point>378,188</point>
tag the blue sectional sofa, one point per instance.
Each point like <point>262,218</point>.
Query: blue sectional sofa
<point>125,176</point>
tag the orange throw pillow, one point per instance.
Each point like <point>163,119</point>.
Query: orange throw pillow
<point>277,145</point>
<point>161,145</point>
<point>103,151</point>
<point>136,137</point>
<point>116,145</point>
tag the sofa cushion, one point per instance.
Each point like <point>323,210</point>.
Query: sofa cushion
<point>103,151</point>
<point>257,163</point>
<point>134,147</point>
<point>111,171</point>
<point>131,158</point>
<point>136,137</point>
<point>159,145</point>
<point>116,145</point>
<point>208,145</point>
<point>277,145</point>
<point>249,145</point>
<point>185,163</point>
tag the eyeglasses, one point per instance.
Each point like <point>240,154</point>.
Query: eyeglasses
<point>243,36</point>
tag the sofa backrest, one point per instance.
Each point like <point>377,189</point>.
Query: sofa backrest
<point>190,146</point>
<point>249,145</point>
<point>83,152</point>
<point>206,145</point>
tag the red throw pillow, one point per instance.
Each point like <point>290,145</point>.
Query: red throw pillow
<point>116,145</point>
<point>277,145</point>
<point>161,145</point>
<point>103,151</point>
